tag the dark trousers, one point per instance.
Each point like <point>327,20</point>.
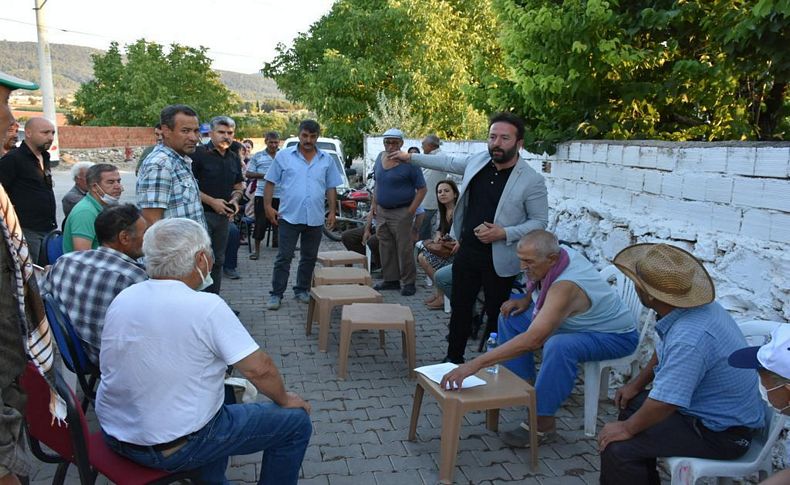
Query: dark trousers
<point>261,222</point>
<point>352,240</point>
<point>471,270</point>
<point>634,461</point>
<point>232,250</point>
<point>218,232</point>
<point>309,238</point>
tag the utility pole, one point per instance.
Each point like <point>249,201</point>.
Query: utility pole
<point>45,73</point>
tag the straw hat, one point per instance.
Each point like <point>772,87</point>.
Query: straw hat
<point>668,274</point>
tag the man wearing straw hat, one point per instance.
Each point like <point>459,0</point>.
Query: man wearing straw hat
<point>699,406</point>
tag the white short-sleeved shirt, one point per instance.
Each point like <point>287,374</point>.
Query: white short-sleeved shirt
<point>164,351</point>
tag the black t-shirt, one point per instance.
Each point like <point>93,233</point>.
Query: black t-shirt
<point>215,174</point>
<point>29,188</point>
<point>485,190</point>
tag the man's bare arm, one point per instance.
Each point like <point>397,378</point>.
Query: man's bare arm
<point>153,214</point>
<point>81,244</point>
<point>259,368</point>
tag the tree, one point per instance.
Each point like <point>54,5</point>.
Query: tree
<point>427,51</point>
<point>396,112</point>
<point>664,69</point>
<point>133,93</point>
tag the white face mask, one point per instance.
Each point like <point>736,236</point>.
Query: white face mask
<point>764,394</point>
<point>107,198</point>
<point>206,280</point>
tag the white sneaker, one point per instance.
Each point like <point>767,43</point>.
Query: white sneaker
<point>428,282</point>
<point>274,302</point>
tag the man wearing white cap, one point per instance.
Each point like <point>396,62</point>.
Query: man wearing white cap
<point>772,362</point>
<point>699,406</point>
<point>400,189</point>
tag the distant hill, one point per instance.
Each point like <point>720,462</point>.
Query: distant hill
<point>72,66</point>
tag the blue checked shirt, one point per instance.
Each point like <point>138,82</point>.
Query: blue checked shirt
<point>693,373</point>
<point>260,163</point>
<point>303,184</point>
<point>84,283</point>
<point>165,181</point>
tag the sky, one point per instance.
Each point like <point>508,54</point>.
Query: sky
<point>241,34</point>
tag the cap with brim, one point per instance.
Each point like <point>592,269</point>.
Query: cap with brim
<point>667,273</point>
<point>773,356</point>
<point>745,358</point>
<point>14,82</point>
<point>393,133</point>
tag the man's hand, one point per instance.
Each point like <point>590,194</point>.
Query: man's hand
<point>454,379</point>
<point>272,215</point>
<point>220,207</point>
<point>294,401</point>
<point>491,233</point>
<point>456,247</point>
<point>624,395</point>
<point>515,306</point>
<point>330,220</point>
<point>399,156</point>
<point>235,205</point>
<point>611,432</point>
<point>366,235</point>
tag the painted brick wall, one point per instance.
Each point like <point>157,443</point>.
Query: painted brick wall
<point>104,136</point>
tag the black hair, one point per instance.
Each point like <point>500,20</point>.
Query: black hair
<point>168,115</point>
<point>113,219</point>
<point>93,175</point>
<point>511,119</point>
<point>310,126</point>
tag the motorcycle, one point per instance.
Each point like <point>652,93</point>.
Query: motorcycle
<point>353,206</point>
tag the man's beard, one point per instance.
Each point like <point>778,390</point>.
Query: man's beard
<point>503,156</point>
<point>43,147</point>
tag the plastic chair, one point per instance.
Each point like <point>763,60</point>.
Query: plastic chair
<point>72,442</point>
<point>52,248</point>
<point>71,350</point>
<point>686,471</point>
<point>596,373</point>
<point>758,332</point>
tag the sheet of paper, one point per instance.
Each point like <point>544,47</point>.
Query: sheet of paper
<point>437,371</point>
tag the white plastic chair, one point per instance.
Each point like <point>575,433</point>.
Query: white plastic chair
<point>686,471</point>
<point>596,373</point>
<point>758,332</point>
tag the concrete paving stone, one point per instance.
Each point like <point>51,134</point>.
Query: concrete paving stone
<point>318,480</point>
<point>486,458</point>
<point>326,439</point>
<point>391,412</point>
<point>355,415</point>
<point>343,451</point>
<point>359,386</point>
<point>371,402</point>
<point>360,479</point>
<point>313,453</point>
<point>344,395</point>
<point>358,437</point>
<point>574,465</point>
<point>372,424</point>
<point>332,427</point>
<point>399,477</point>
<point>325,405</point>
<point>359,465</point>
<point>373,450</point>
<point>428,476</point>
<point>245,473</point>
<point>593,459</point>
<point>312,469</point>
<point>421,446</point>
<point>560,480</point>
<point>566,450</point>
<point>401,400</point>
<point>413,462</point>
<point>523,471</point>
<point>473,443</point>
<point>477,474</point>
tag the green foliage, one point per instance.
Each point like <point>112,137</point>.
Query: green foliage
<point>674,70</point>
<point>256,125</point>
<point>396,112</point>
<point>428,51</point>
<point>133,93</point>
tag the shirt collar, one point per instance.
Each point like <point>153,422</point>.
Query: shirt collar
<point>665,323</point>
<point>120,255</point>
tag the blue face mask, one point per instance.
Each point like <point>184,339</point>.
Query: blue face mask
<point>206,280</point>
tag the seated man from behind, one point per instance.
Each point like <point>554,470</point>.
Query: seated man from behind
<point>164,351</point>
<point>699,406</point>
<point>104,189</point>
<point>570,312</point>
<point>85,282</point>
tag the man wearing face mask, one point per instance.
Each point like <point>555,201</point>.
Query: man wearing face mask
<point>217,169</point>
<point>698,405</point>
<point>182,340</point>
<point>85,282</point>
<point>104,189</point>
<point>501,199</point>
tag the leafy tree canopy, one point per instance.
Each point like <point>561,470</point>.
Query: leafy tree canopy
<point>133,93</point>
<point>663,69</point>
<point>428,51</point>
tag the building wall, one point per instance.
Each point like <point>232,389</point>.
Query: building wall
<point>71,137</point>
<point>726,203</point>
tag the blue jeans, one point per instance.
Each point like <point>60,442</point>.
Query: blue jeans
<point>237,429</point>
<point>289,234</point>
<point>562,353</point>
<point>443,279</point>
<point>232,250</point>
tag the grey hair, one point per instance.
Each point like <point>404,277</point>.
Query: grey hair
<point>433,140</point>
<point>78,167</point>
<point>170,246</point>
<point>545,242</point>
<point>222,120</point>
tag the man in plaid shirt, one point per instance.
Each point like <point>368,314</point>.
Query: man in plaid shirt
<point>84,283</point>
<point>166,186</point>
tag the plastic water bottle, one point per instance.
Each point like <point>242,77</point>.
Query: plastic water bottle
<point>491,344</point>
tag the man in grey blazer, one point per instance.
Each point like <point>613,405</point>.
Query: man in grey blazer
<point>501,199</point>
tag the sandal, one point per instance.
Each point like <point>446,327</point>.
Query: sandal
<point>435,306</point>
<point>519,437</point>
<point>254,256</point>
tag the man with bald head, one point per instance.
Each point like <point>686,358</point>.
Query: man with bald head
<point>26,177</point>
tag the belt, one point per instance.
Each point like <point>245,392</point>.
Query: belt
<point>401,206</point>
<point>178,442</point>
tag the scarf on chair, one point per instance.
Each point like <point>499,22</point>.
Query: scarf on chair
<point>544,284</point>
<point>37,339</point>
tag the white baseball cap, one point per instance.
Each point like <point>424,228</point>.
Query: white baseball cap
<point>773,356</point>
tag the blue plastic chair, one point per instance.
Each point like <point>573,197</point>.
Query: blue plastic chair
<point>53,247</point>
<point>71,350</point>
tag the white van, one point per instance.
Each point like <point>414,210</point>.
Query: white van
<point>332,147</point>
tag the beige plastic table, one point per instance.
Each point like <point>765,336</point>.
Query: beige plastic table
<point>504,389</point>
<point>377,316</point>
<point>341,275</point>
<point>342,258</point>
<point>324,298</point>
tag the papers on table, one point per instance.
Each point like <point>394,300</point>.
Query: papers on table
<point>437,371</point>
